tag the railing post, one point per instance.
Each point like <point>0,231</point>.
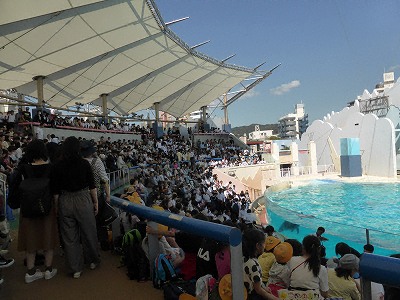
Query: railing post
<point>366,293</point>
<point>237,272</point>
<point>153,246</point>
<point>367,235</point>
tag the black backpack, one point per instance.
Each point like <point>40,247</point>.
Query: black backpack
<point>134,257</point>
<point>35,195</point>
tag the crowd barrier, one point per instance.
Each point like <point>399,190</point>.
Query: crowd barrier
<point>380,269</point>
<point>122,176</point>
<point>222,233</point>
<point>89,129</point>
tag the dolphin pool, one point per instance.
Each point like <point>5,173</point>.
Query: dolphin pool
<point>346,210</point>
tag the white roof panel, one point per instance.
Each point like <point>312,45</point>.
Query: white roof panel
<point>118,47</point>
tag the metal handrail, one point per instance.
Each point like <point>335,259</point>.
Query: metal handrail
<point>219,232</point>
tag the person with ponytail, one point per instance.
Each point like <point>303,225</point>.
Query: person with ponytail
<point>306,272</point>
<point>253,244</point>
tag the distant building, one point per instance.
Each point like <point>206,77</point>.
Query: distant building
<point>384,95</point>
<point>258,140</point>
<point>260,135</point>
<point>292,126</point>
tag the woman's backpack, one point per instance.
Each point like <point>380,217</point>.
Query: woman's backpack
<point>35,195</point>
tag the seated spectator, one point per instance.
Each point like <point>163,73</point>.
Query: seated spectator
<point>306,270</point>
<point>341,282</point>
<point>342,249</point>
<point>279,273</point>
<point>253,246</point>
<point>267,258</point>
<point>297,247</point>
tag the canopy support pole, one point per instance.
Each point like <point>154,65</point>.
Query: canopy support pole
<point>204,114</point>
<point>39,87</point>
<point>104,106</point>
<point>158,131</point>
<point>226,119</point>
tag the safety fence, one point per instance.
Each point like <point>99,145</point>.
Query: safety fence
<point>122,176</point>
<point>294,224</point>
<point>306,170</point>
<point>4,238</point>
<point>3,193</point>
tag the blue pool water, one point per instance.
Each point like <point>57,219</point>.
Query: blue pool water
<point>346,210</point>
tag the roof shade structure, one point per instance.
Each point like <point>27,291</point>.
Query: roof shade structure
<point>121,48</point>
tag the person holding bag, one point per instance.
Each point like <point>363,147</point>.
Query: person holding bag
<point>38,221</point>
<point>88,151</point>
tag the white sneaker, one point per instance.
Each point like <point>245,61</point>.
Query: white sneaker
<point>49,275</point>
<point>1,280</point>
<point>31,278</point>
<point>92,266</point>
<point>77,275</point>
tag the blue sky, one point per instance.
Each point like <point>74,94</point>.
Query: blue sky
<point>330,50</point>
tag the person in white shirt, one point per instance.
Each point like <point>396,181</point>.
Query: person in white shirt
<point>306,270</point>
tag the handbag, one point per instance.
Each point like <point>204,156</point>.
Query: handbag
<point>107,214</point>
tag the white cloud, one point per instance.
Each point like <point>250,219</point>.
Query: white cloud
<point>250,94</point>
<point>393,68</point>
<point>285,88</point>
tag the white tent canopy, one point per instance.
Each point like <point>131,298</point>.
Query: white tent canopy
<point>121,48</point>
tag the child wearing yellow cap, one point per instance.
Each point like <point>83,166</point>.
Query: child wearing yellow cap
<point>268,258</point>
<point>279,273</point>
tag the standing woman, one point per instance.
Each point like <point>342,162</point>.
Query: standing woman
<point>76,193</point>
<point>37,233</point>
<point>306,270</point>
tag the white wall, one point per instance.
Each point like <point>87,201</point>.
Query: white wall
<point>377,142</point>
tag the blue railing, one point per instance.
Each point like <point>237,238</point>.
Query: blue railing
<point>225,234</point>
<point>380,269</point>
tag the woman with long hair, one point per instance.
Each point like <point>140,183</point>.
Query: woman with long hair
<point>75,190</point>
<point>253,246</point>
<point>306,272</point>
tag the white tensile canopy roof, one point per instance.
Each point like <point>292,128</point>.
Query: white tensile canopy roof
<point>122,48</point>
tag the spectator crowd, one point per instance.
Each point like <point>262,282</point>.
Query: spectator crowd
<point>173,174</point>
